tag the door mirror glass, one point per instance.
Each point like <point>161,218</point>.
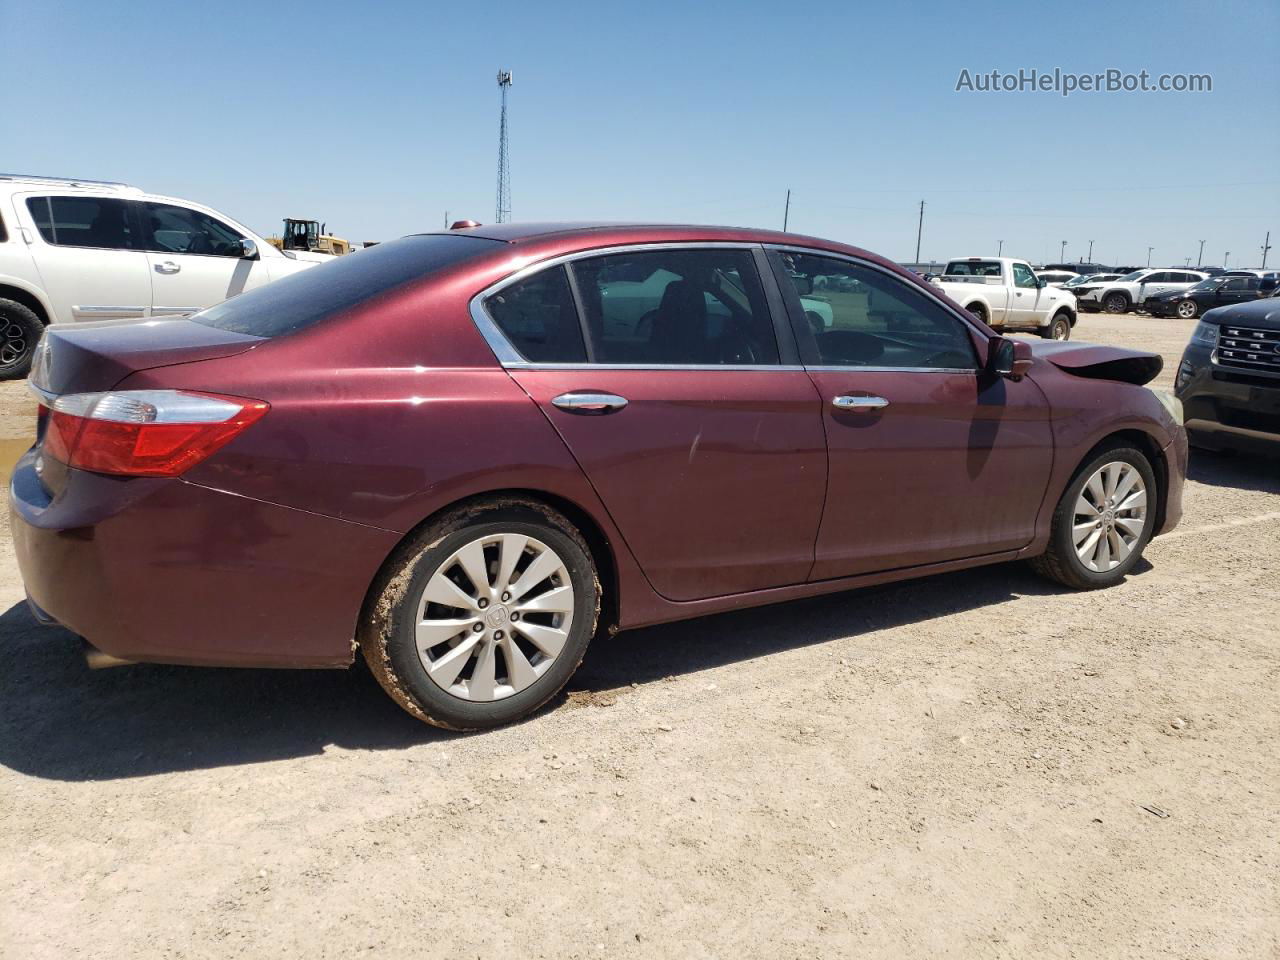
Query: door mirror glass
<point>803,284</point>
<point>1008,358</point>
<point>248,249</point>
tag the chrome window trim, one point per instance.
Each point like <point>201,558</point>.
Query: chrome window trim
<point>858,369</point>
<point>511,359</point>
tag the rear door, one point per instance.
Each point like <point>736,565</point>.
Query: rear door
<point>1238,290</point>
<point>88,255</point>
<point>195,259</point>
<point>930,459</point>
<point>662,370</point>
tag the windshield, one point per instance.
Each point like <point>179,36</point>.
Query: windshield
<point>309,296</point>
<point>1132,277</point>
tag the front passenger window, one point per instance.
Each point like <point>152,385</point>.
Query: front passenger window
<point>1023,276</point>
<point>172,229</point>
<point>862,317</point>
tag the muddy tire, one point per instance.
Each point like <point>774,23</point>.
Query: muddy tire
<point>979,311</point>
<point>483,616</point>
<point>20,331</point>
<point>1059,328</point>
<point>1103,521</point>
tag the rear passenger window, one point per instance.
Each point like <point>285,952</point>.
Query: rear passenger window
<point>862,317</point>
<point>538,317</point>
<point>702,307</point>
<point>99,222</point>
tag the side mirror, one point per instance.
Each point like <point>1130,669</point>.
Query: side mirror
<point>803,285</point>
<point>1008,358</point>
<point>248,249</point>
<point>1041,282</point>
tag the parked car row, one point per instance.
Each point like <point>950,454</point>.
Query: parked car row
<point>1163,291</point>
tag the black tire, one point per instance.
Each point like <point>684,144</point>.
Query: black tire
<point>1060,561</point>
<point>979,311</point>
<point>387,626</point>
<point>1059,328</point>
<point>20,331</point>
<point>1116,303</point>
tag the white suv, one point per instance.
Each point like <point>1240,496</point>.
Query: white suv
<point>1130,291</point>
<point>74,250</point>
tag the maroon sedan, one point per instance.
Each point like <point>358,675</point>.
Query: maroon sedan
<point>466,453</point>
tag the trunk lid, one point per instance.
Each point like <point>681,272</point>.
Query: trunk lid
<point>91,357</point>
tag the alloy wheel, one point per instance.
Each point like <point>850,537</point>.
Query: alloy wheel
<point>13,343</point>
<point>494,616</point>
<point>1061,329</point>
<point>1110,516</point>
<point>1187,309</point>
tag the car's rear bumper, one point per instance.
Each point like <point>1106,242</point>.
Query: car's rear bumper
<point>169,571</point>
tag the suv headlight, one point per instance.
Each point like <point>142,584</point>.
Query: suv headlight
<point>1206,333</point>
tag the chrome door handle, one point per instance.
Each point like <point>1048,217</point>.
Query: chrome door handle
<point>859,404</point>
<point>589,402</point>
<point>167,266</point>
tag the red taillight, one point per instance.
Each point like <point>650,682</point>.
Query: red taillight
<point>144,433</point>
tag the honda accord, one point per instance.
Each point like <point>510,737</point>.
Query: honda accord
<point>462,455</point>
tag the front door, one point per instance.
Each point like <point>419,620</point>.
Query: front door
<point>704,446</point>
<point>1024,299</point>
<point>89,256</point>
<point>195,260</point>
<point>930,459</point>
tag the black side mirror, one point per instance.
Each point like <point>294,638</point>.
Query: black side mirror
<point>803,285</point>
<point>1008,358</point>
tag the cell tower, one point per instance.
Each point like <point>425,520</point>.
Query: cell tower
<point>503,212</point>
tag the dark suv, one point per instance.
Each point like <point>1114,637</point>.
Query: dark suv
<point>1221,291</point>
<point>1229,378</point>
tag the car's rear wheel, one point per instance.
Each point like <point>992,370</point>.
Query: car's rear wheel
<point>1059,328</point>
<point>1116,303</point>
<point>1188,309</point>
<point>1103,521</point>
<point>484,616</point>
<point>20,331</point>
<point>979,311</point>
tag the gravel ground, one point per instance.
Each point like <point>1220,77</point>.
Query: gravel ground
<point>974,765</point>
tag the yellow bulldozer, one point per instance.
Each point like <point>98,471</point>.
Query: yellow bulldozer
<point>309,235</point>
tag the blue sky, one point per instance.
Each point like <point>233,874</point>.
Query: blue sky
<point>379,117</point>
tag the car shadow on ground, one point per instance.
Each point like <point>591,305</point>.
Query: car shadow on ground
<point>59,720</point>
<point>1243,471</point>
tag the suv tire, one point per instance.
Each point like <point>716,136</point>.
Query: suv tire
<point>20,331</point>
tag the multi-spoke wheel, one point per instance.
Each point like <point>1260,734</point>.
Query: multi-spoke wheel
<point>483,617</point>
<point>1110,516</point>
<point>1103,521</point>
<point>20,331</point>
<point>1188,309</point>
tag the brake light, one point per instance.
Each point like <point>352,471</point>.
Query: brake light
<point>144,433</point>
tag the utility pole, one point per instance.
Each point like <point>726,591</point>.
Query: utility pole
<point>1266,246</point>
<point>1091,251</point>
<point>502,212</point>
<point>786,212</point>
<point>1225,257</point>
<point>446,219</point>
<point>919,231</point>
<point>1149,249</point>
<point>1062,252</point>
<point>1000,250</point>
<point>1200,256</point>
<point>1186,261</point>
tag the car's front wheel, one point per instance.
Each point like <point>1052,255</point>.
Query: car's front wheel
<point>1103,521</point>
<point>484,616</point>
<point>1116,303</point>
<point>1059,328</point>
<point>1188,309</point>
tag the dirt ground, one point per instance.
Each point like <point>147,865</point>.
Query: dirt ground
<point>975,765</point>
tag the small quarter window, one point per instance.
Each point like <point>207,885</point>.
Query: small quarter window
<point>537,315</point>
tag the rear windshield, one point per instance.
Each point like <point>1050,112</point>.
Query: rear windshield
<point>305,298</point>
<point>973,268</point>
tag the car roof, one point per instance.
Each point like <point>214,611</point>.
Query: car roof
<point>640,232</point>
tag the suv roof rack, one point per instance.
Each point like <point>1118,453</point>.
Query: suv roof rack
<point>69,181</point>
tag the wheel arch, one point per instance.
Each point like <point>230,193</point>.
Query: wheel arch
<point>1150,446</point>
<point>1120,290</point>
<point>22,295</point>
<point>602,551</point>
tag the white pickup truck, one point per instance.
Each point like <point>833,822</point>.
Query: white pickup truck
<point>1007,295</point>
